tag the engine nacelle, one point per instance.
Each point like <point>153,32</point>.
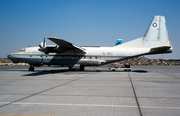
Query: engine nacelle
<point>55,49</point>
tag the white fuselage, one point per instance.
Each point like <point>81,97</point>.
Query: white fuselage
<point>94,56</point>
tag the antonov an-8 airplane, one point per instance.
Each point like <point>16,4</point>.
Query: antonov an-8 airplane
<point>155,41</point>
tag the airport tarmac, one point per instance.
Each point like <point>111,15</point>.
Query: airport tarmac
<point>145,91</point>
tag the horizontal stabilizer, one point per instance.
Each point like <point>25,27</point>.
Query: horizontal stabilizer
<point>160,50</point>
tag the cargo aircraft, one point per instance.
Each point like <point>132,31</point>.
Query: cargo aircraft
<point>155,41</point>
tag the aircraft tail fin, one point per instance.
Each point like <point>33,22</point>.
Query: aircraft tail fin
<point>156,38</point>
<point>118,42</point>
<point>157,30</point>
<point>156,35</point>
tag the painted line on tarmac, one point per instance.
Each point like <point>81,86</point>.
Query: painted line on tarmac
<point>26,115</point>
<point>156,107</point>
<point>88,105</point>
<point>55,104</point>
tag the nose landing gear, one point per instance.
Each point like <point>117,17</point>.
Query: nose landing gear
<point>31,68</point>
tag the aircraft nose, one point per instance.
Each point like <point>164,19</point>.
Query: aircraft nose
<point>12,58</point>
<point>9,55</point>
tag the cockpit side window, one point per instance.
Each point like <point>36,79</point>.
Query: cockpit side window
<point>22,50</point>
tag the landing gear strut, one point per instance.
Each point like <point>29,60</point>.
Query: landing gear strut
<point>82,68</point>
<point>31,68</point>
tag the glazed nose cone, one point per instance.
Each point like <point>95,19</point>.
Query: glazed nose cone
<point>9,56</point>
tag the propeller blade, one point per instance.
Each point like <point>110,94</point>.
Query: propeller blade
<point>40,46</point>
<point>44,43</point>
<point>43,47</point>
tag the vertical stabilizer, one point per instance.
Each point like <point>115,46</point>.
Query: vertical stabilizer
<point>156,38</point>
<point>157,30</point>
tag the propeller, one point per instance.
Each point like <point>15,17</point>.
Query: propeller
<point>43,48</point>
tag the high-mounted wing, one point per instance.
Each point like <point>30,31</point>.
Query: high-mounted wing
<point>65,45</point>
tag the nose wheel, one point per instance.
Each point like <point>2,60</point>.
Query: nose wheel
<point>31,68</point>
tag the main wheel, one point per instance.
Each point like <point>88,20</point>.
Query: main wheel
<point>82,68</point>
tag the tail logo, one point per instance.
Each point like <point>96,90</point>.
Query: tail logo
<point>154,24</point>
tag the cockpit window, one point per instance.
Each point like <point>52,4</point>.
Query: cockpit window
<point>22,50</point>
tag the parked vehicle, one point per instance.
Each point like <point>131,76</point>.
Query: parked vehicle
<point>125,67</point>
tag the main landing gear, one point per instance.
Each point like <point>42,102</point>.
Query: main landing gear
<point>82,68</point>
<point>77,68</point>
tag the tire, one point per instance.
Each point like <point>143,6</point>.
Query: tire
<point>82,68</point>
<point>31,68</point>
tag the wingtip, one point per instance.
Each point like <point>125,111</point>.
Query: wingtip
<point>50,38</point>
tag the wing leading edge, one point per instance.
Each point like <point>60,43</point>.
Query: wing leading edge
<point>65,45</point>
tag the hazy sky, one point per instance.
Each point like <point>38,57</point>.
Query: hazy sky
<point>25,23</point>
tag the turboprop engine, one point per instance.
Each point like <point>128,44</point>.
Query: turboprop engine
<point>51,49</point>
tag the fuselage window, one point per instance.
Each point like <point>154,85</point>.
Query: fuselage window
<point>22,50</point>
